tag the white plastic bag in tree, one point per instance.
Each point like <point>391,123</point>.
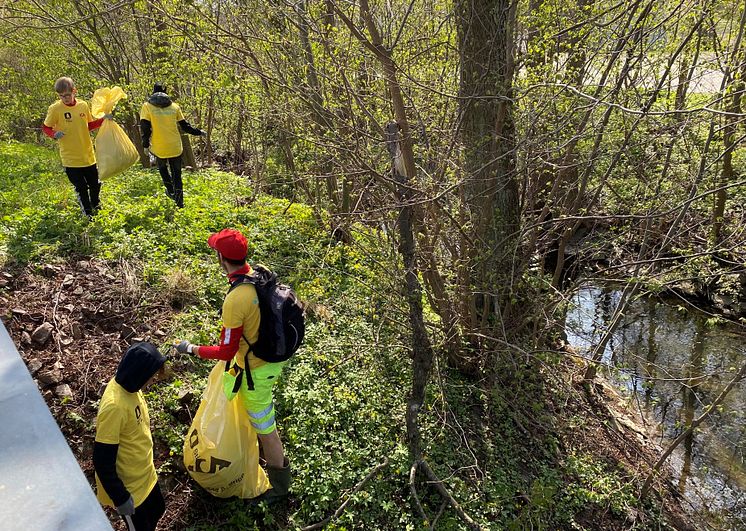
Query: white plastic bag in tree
<point>115,152</point>
<point>221,450</point>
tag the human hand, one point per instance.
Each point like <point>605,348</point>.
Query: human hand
<point>58,135</point>
<point>127,508</point>
<point>185,347</point>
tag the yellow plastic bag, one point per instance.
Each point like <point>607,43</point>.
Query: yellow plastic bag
<point>115,152</point>
<point>221,451</point>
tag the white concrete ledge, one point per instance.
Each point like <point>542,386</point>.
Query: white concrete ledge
<point>41,485</point>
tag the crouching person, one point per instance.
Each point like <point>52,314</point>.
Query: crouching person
<point>123,451</point>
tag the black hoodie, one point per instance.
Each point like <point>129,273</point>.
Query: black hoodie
<point>138,365</point>
<point>160,99</point>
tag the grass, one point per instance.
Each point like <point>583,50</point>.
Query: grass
<point>342,401</point>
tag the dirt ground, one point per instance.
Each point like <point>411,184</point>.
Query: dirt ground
<point>71,323</point>
<point>611,433</point>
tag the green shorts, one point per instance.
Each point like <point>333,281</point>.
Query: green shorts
<point>259,402</point>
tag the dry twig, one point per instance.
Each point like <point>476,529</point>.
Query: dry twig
<point>322,523</point>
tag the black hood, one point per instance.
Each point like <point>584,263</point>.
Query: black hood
<point>160,99</point>
<point>139,364</point>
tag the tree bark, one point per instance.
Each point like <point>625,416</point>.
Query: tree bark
<point>488,142</point>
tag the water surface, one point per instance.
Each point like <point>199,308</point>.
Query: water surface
<point>672,361</point>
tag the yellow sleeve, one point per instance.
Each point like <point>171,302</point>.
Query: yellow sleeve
<point>109,423</point>
<point>145,112</point>
<point>241,309</point>
<point>51,119</point>
<point>231,315</point>
<point>179,114</point>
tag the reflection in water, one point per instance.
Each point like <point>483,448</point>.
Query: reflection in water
<point>672,364</point>
<point>689,392</point>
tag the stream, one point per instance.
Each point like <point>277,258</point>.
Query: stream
<point>671,361</point>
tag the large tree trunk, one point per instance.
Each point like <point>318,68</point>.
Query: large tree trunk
<point>729,137</point>
<point>488,139</point>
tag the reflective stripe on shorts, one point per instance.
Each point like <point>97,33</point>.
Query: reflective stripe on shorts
<point>259,402</point>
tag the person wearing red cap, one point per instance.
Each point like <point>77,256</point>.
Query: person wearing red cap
<point>240,330</point>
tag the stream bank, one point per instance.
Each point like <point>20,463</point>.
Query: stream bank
<point>670,360</point>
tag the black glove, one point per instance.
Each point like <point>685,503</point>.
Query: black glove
<point>185,347</point>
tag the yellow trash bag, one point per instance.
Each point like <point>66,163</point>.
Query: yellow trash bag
<point>115,152</point>
<point>221,451</point>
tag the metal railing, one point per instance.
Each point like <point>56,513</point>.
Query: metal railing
<point>41,485</point>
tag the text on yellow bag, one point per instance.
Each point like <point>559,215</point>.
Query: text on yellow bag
<point>221,451</point>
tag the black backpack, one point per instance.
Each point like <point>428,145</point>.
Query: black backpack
<point>281,325</point>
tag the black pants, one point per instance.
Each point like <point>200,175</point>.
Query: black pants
<point>87,187</point>
<point>147,513</point>
<point>172,182</point>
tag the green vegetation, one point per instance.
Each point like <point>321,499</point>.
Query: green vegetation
<point>342,402</point>
<point>495,157</point>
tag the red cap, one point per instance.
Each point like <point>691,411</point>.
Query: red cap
<point>230,243</point>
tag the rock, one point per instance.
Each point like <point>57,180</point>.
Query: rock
<point>63,391</point>
<point>78,291</point>
<point>127,332</point>
<point>159,333</point>
<point>48,270</point>
<point>186,396</point>
<point>68,281</point>
<point>115,349</point>
<point>34,365</point>
<point>50,377</point>
<point>723,301</point>
<point>77,331</point>
<point>25,338</point>
<point>43,332</point>
<point>58,366</point>
<point>686,288</point>
<point>69,307</point>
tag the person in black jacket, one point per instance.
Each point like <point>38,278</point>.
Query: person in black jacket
<point>160,120</point>
<point>123,450</point>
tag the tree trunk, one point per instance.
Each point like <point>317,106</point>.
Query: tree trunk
<point>488,140</point>
<point>729,141</point>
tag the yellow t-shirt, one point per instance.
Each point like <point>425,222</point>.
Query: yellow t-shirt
<point>123,419</point>
<point>241,308</point>
<point>166,140</point>
<point>76,148</point>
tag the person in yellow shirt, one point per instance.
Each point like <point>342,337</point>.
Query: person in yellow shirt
<point>241,318</point>
<point>160,120</point>
<point>123,449</point>
<point>69,121</point>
